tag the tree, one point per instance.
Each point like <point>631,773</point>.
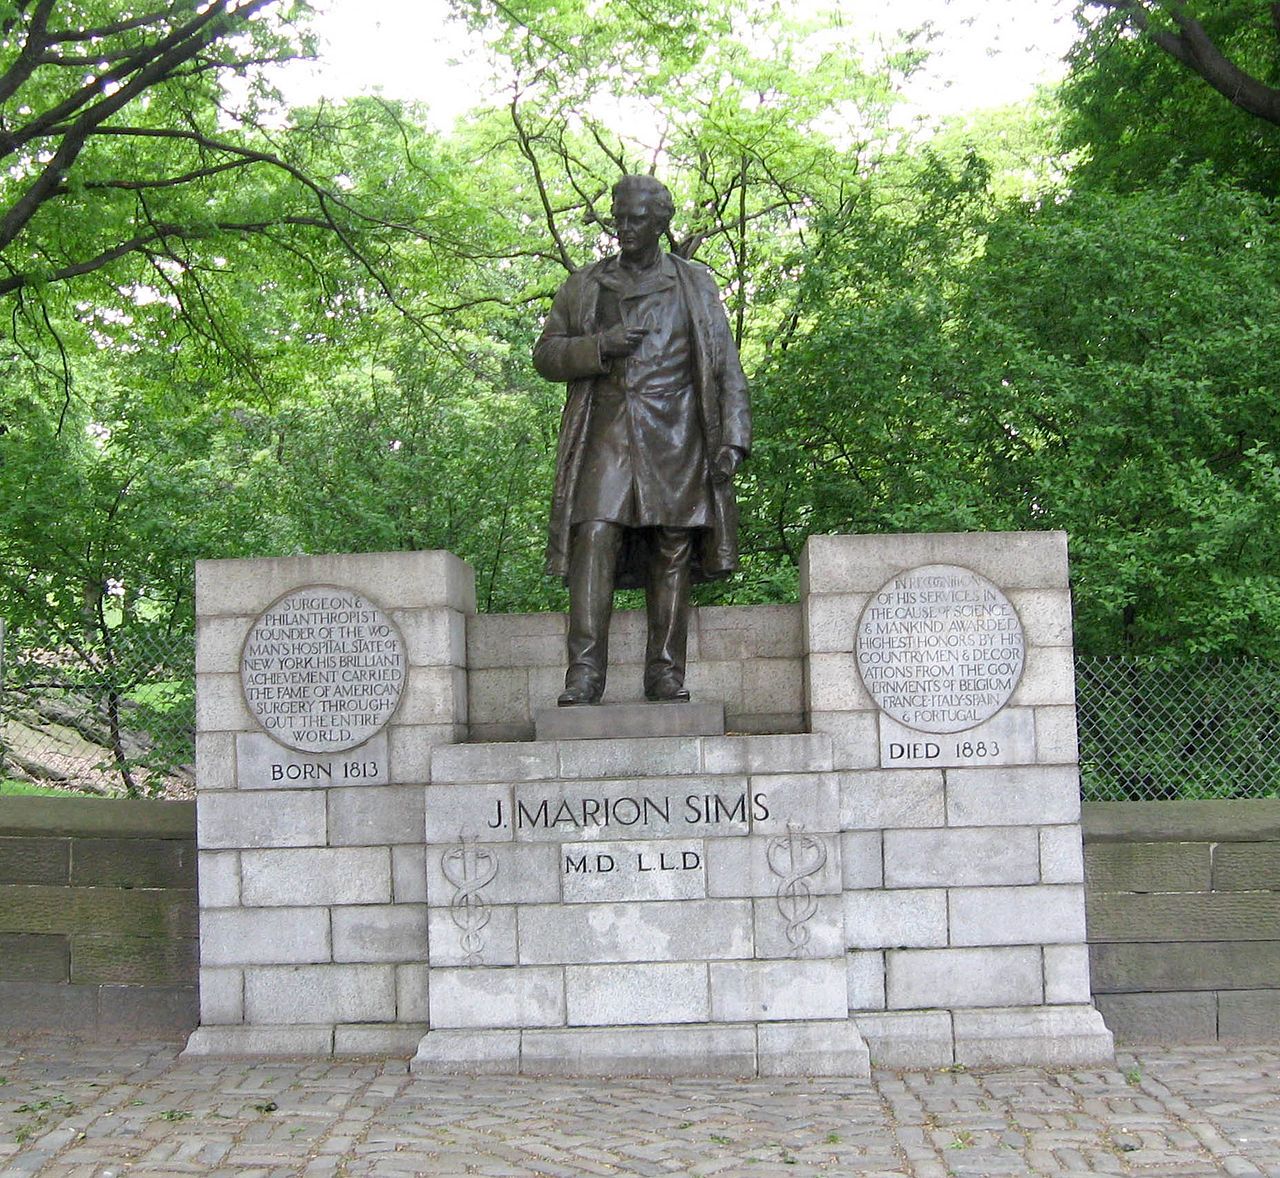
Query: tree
<point>1136,97</point>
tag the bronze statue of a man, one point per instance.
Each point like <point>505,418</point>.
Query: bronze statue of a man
<point>654,428</point>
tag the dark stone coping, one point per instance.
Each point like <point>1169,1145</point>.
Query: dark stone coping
<point>97,818</point>
<point>1241,820</point>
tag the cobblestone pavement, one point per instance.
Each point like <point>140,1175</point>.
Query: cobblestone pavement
<point>100,1111</point>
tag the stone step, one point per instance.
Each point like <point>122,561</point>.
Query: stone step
<point>666,756</point>
<point>622,721</point>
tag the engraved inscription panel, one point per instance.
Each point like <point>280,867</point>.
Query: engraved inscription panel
<point>322,669</point>
<point>940,648</point>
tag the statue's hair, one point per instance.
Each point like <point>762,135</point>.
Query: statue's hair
<point>655,190</point>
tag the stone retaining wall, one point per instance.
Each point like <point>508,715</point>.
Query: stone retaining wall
<point>97,916</point>
<point>1184,919</point>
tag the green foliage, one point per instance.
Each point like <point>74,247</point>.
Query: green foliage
<point>1105,365</point>
<point>1134,112</point>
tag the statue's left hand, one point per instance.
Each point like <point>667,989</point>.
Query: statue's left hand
<point>728,459</point>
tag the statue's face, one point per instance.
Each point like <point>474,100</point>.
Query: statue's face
<point>638,225</point>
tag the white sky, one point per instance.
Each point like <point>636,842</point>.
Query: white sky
<point>988,53</point>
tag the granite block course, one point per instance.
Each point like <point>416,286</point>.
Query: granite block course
<point>316,875</point>
<point>528,996</point>
<point>380,932</point>
<point>892,799</point>
<point>264,936</point>
<point>954,978</point>
<point>292,994</point>
<point>1024,796</point>
<point>756,991</point>
<point>914,917</point>
<point>970,856</point>
<point>1040,915</point>
<point>376,817</point>
<point>261,818</point>
<point>654,992</point>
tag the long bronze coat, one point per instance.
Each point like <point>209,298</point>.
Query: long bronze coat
<point>569,350</point>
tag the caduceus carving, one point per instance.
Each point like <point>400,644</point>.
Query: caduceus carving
<point>794,857</point>
<point>470,868</point>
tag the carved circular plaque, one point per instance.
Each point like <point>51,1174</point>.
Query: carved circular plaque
<point>322,669</point>
<point>940,648</point>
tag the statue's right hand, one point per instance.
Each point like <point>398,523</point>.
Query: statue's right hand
<point>621,341</point>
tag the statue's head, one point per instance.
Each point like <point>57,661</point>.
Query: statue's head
<point>642,211</point>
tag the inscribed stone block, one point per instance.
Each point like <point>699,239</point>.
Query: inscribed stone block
<point>659,931</point>
<point>291,994</point>
<point>689,1050</point>
<point>262,818</point>
<point>807,801</point>
<point>499,762</point>
<point>918,1039</point>
<point>453,938</point>
<point>1048,678</point>
<point>523,997</point>
<point>1057,741</point>
<point>778,934</point>
<point>1042,915</point>
<point>1028,796</point>
<point>453,812</point>
<point>1066,974</point>
<point>831,620</point>
<point>380,932</point>
<point>750,991</point>
<point>215,760</point>
<point>1045,1036</point>
<point>751,866</point>
<point>1061,855</point>
<point>411,993</point>
<point>263,936</point>
<point>376,816</point>
<point>777,753</point>
<point>655,992</point>
<point>221,995</point>
<point>862,859</point>
<point>316,875</point>
<point>829,1048</point>
<point>638,869</point>
<point>219,879</point>
<point>954,857</point>
<point>832,684</point>
<point>641,757</point>
<point>409,875</point>
<point>864,980</point>
<point>262,763</point>
<point>523,873</point>
<point>924,979</point>
<point>885,800</point>
<point>876,919</point>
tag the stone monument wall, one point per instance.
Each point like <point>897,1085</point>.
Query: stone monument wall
<point>904,876</point>
<point>322,685</point>
<point>941,667</point>
<point>748,657</point>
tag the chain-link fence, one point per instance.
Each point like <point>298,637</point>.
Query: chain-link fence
<point>118,717</point>
<point>1154,730</point>
<point>111,713</point>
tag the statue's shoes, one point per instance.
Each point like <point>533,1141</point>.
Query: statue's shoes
<point>578,695</point>
<point>667,691</point>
